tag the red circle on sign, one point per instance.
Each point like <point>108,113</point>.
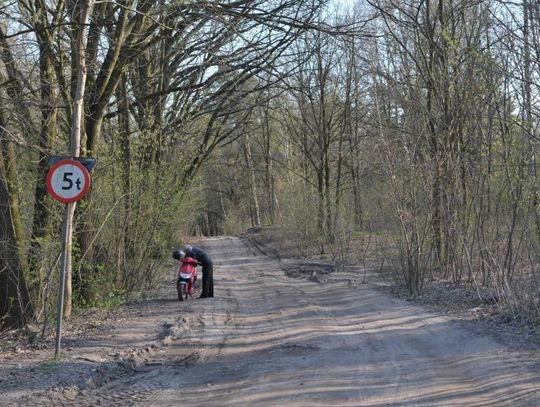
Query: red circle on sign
<point>66,193</point>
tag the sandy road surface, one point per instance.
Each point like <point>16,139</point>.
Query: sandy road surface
<point>269,340</point>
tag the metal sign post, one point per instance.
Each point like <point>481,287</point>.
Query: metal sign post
<point>60,310</point>
<point>68,181</point>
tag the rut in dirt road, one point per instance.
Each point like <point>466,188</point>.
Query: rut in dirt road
<point>269,340</point>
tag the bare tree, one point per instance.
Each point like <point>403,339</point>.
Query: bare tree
<point>15,305</point>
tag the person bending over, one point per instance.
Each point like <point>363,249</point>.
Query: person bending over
<point>207,269</point>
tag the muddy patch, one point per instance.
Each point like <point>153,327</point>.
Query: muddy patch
<point>313,271</point>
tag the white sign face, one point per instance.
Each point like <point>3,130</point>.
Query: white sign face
<point>68,181</point>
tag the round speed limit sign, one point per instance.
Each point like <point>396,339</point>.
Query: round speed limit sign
<point>68,181</point>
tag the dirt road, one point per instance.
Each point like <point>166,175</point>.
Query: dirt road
<point>270,340</point>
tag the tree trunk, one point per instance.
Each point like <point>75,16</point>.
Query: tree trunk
<point>41,227</point>
<point>9,156</point>
<point>269,177</point>
<point>78,101</point>
<point>15,306</point>
<point>256,218</point>
<point>15,90</point>
<point>434,146</point>
<point>125,145</point>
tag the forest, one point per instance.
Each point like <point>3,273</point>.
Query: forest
<point>401,134</point>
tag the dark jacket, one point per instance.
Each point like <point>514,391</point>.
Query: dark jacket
<point>199,255</point>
